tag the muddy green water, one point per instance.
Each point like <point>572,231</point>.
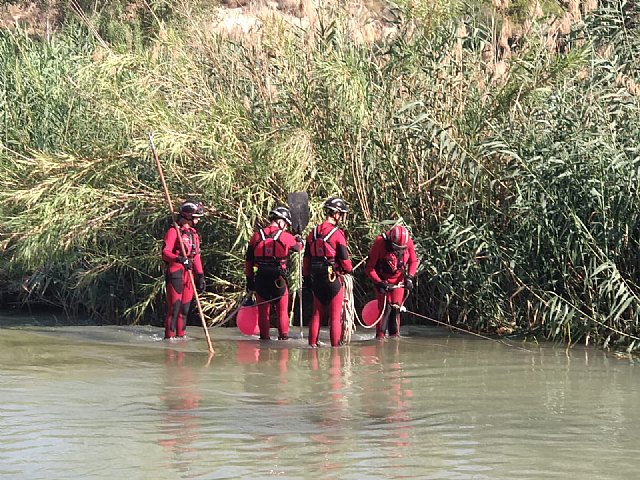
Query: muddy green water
<point>119,402</point>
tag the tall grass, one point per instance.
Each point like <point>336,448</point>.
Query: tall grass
<point>519,186</point>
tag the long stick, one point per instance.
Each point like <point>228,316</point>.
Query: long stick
<point>183,250</point>
<point>300,291</point>
<point>299,207</point>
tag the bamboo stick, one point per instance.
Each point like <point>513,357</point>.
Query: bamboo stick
<point>182,247</point>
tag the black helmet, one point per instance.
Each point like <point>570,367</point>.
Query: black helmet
<point>191,209</point>
<point>280,213</point>
<point>335,204</point>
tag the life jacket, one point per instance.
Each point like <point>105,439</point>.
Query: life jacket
<point>393,260</point>
<point>269,249</point>
<point>191,245</point>
<point>320,247</point>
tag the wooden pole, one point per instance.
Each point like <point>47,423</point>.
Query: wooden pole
<point>298,203</point>
<point>300,310</point>
<point>182,247</point>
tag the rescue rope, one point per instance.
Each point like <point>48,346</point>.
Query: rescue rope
<point>242,300</point>
<point>228,317</point>
<point>384,307</point>
<point>448,325</point>
<point>349,313</point>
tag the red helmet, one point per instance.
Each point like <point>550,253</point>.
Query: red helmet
<point>398,236</point>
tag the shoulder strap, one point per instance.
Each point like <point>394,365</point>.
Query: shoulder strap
<point>330,234</point>
<point>275,236</point>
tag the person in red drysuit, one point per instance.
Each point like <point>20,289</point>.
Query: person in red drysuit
<point>179,287</point>
<point>326,259</point>
<point>266,269</point>
<point>392,265</point>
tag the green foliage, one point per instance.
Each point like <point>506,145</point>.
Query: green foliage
<point>520,189</point>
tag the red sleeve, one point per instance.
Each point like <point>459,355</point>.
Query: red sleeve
<point>342,253</point>
<point>290,242</point>
<point>249,258</point>
<point>412,264</point>
<point>376,252</point>
<point>306,264</point>
<point>170,239</point>
<point>197,260</point>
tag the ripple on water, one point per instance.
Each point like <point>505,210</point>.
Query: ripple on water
<point>114,402</point>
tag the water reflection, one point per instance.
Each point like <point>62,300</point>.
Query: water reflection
<point>251,353</point>
<point>76,402</point>
<point>247,352</point>
<point>331,370</point>
<point>388,400</point>
<point>181,398</point>
<point>268,403</point>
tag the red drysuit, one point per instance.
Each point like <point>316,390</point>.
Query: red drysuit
<point>266,268</point>
<point>326,258</point>
<point>387,265</point>
<point>179,287</point>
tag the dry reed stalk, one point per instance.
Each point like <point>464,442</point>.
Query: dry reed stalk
<point>506,33</point>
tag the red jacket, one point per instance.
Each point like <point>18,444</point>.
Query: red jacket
<point>171,248</point>
<point>384,265</point>
<point>258,250</point>
<point>336,253</point>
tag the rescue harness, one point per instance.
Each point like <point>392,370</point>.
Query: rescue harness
<point>322,249</point>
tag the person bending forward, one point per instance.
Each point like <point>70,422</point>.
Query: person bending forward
<point>391,265</point>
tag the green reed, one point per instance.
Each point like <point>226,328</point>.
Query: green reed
<point>520,189</point>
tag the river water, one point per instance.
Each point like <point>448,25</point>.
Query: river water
<point>119,402</point>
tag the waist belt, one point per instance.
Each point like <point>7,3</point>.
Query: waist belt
<point>323,261</point>
<point>269,261</point>
<point>269,268</point>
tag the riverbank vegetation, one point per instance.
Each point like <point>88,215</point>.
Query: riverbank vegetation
<point>505,137</point>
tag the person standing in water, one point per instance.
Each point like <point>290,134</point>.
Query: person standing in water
<point>178,284</point>
<point>326,259</point>
<point>391,265</point>
<point>266,269</point>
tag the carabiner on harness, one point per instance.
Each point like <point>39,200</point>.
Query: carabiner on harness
<point>331,275</point>
<point>280,282</point>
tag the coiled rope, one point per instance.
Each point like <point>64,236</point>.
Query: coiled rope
<point>349,313</point>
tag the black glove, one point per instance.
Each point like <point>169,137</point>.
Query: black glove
<point>299,239</point>
<point>251,284</point>
<point>383,287</point>
<point>408,283</point>
<point>185,262</point>
<point>200,282</point>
